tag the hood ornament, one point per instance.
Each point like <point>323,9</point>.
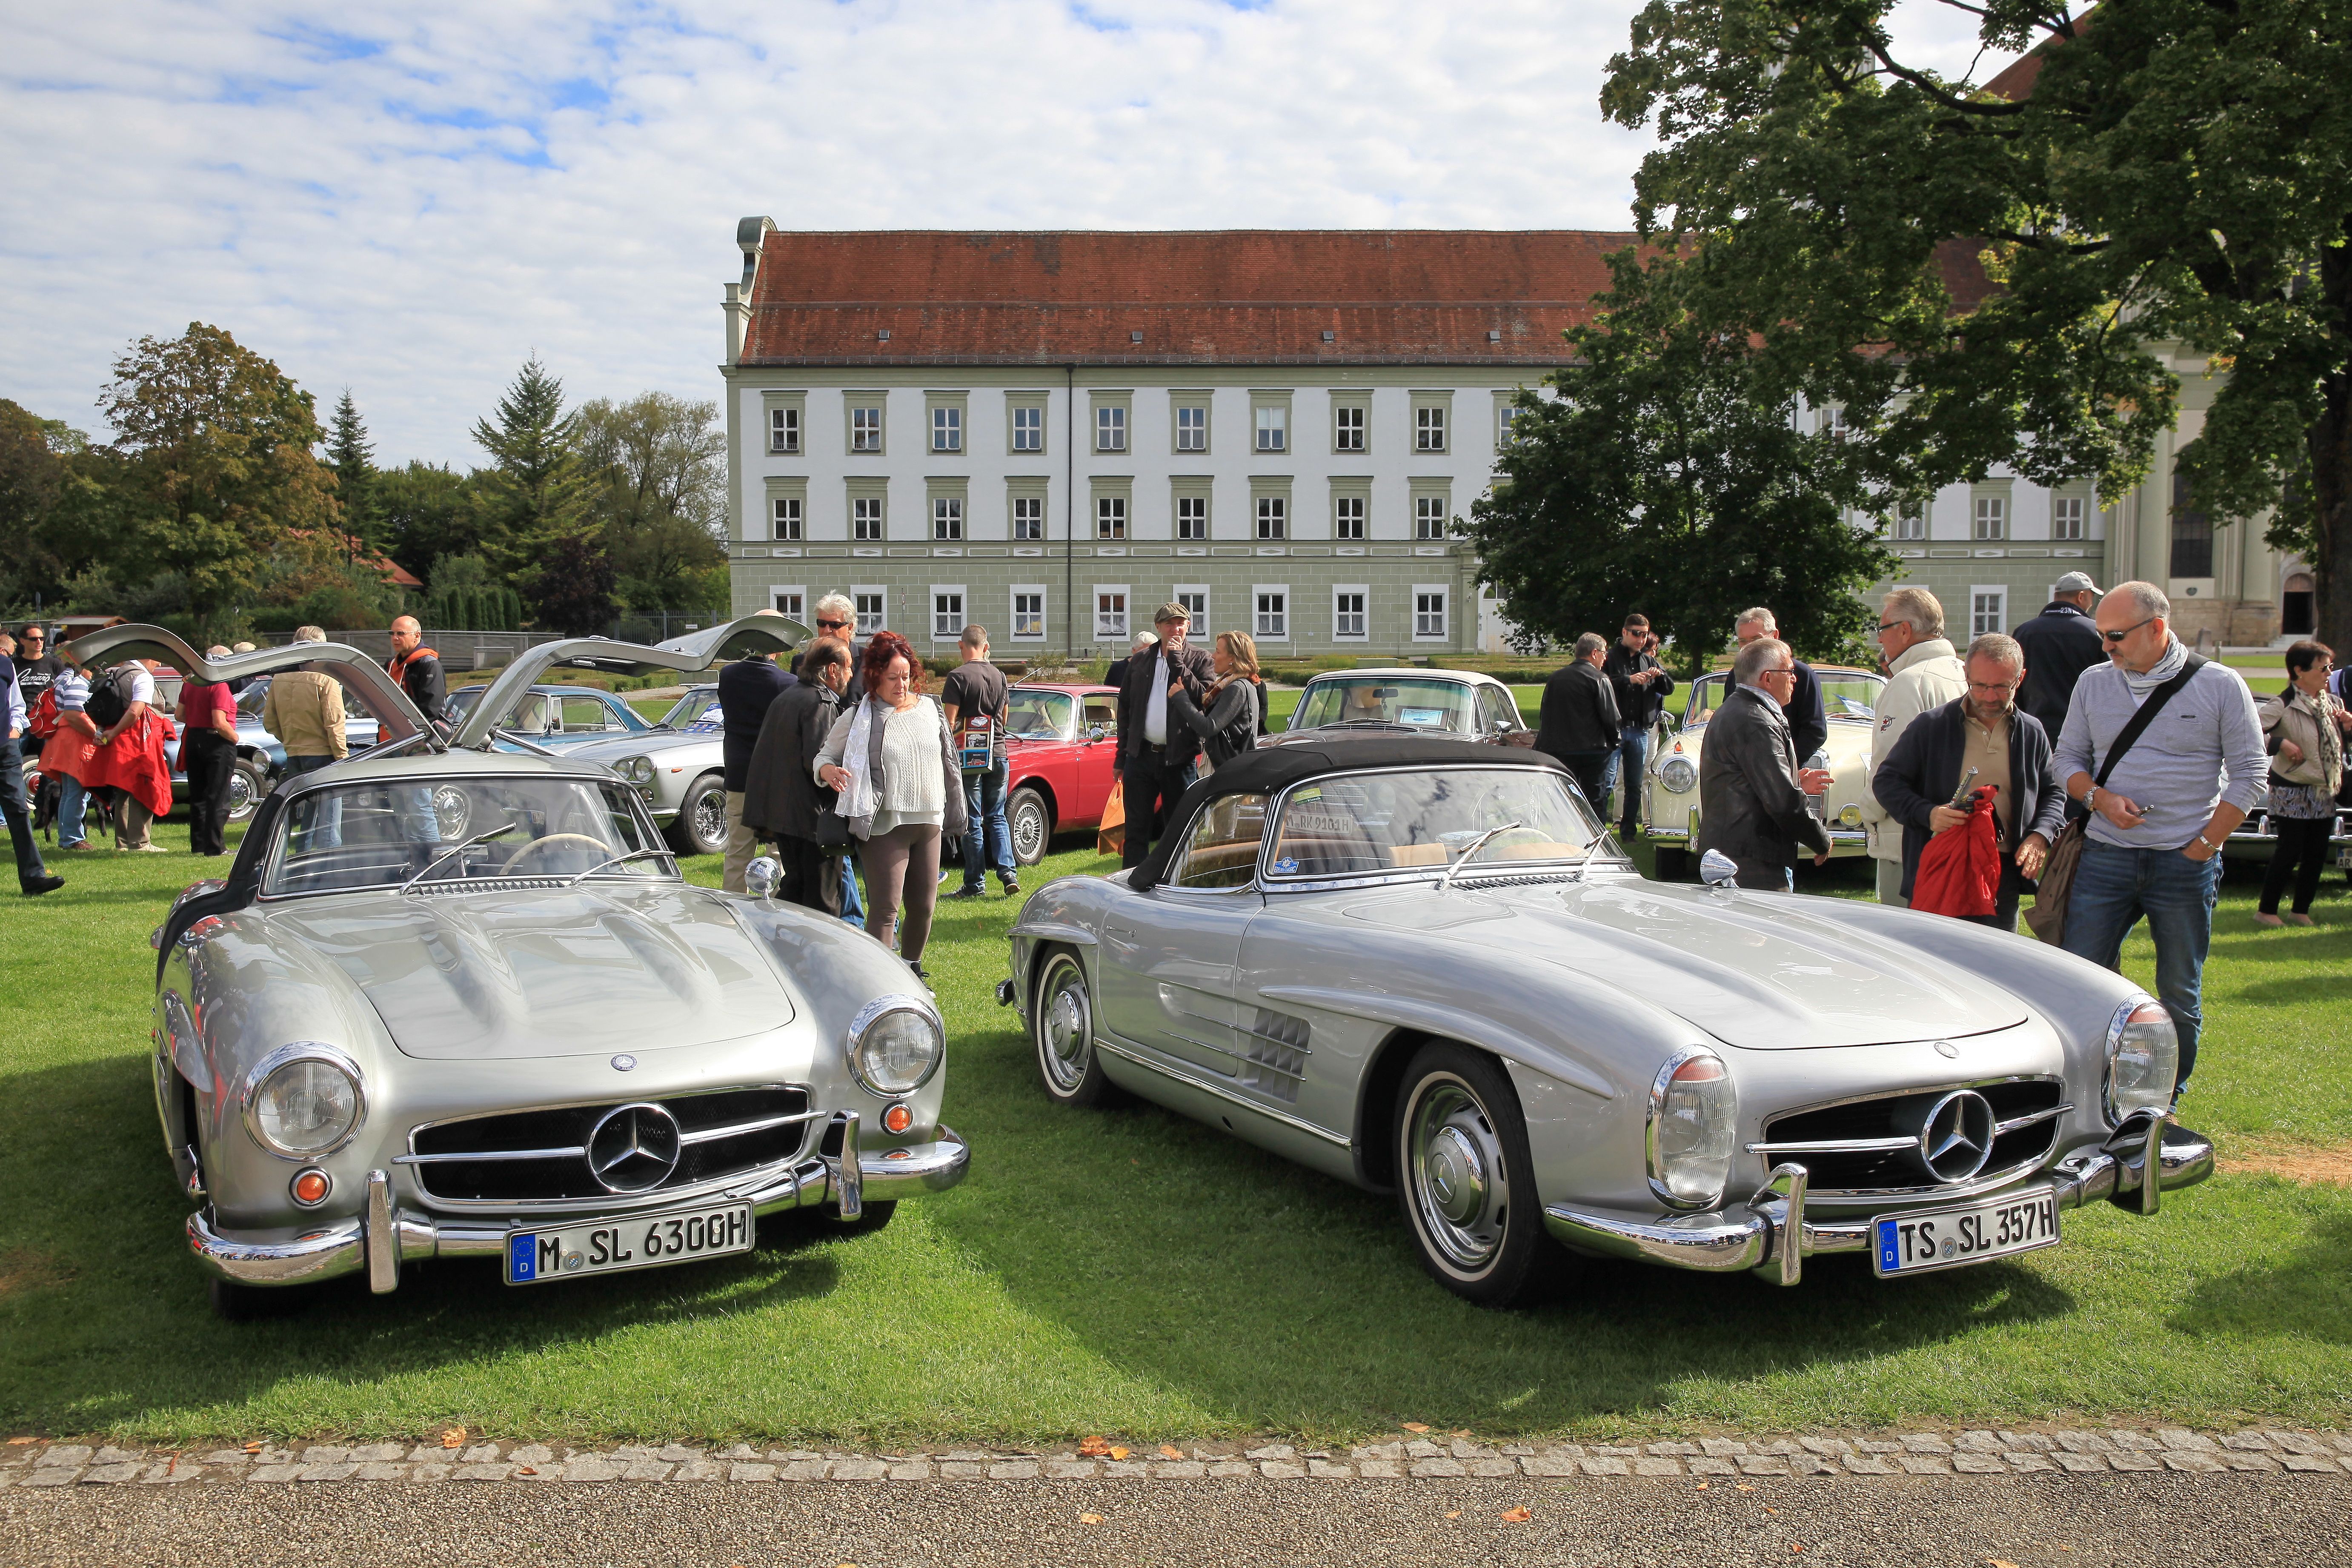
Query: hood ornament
<point>624,1062</point>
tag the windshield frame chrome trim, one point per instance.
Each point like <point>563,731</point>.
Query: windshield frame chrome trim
<point>1269,884</point>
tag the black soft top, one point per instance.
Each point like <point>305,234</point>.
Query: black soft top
<point>1274,768</point>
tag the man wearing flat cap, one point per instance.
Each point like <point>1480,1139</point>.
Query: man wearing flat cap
<point>2059,644</point>
<point>1156,754</point>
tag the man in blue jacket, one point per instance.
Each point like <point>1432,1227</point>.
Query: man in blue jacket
<point>746,689</point>
<point>2059,644</point>
<point>1984,729</point>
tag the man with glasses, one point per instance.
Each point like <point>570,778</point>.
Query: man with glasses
<point>836,618</point>
<point>1983,729</point>
<point>1923,674</point>
<point>36,669</point>
<point>2161,816</point>
<point>1751,805</point>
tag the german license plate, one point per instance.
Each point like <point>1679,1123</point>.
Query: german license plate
<point>1972,1232</point>
<point>641,1241</point>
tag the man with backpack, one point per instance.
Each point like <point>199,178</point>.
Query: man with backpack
<point>2166,753</point>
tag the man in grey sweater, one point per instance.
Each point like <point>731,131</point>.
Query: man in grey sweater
<point>2157,824</point>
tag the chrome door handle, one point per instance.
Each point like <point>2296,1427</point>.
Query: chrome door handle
<point>1119,931</point>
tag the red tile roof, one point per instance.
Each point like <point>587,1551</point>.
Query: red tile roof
<point>1231,296</point>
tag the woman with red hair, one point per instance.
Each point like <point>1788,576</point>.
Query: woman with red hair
<point>894,766</point>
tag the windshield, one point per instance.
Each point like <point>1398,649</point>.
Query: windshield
<point>1390,821</point>
<point>1437,707</point>
<point>697,711</point>
<point>1845,694</point>
<point>381,834</point>
<point>250,700</point>
<point>1038,715</point>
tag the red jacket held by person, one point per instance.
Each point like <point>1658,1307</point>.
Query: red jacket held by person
<point>1960,871</point>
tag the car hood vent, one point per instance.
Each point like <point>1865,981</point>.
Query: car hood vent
<point>519,973</point>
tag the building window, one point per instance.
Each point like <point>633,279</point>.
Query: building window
<point>1192,517</point>
<point>1192,429</point>
<point>873,610</point>
<point>1273,518</point>
<point>947,518</point>
<point>1506,426</point>
<point>1987,610</point>
<point>1028,614</point>
<point>787,517</point>
<point>865,429</point>
<point>1029,429</point>
<point>1028,516</point>
<point>1347,430</point>
<point>1195,600</point>
<point>1429,517</point>
<point>1110,517</point>
<point>1274,613</point>
<point>947,429</point>
<point>947,614</point>
<point>1911,520</point>
<point>1429,428</point>
<point>1347,618</point>
<point>1110,615</point>
<point>1992,518</point>
<point>792,602</point>
<point>1348,518</point>
<point>1110,429</point>
<point>1273,427</point>
<point>866,517</point>
<point>2192,534</point>
<point>1428,613</point>
<point>783,429</point>
<point>2068,515</point>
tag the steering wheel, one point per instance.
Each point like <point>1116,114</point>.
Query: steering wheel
<point>555,841</point>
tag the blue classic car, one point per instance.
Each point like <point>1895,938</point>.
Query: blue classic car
<point>261,755</point>
<point>556,717</point>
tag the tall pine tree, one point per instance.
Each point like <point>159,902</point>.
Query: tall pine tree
<point>536,494</point>
<point>352,457</point>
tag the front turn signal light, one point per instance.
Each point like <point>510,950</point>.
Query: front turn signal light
<point>897,1119</point>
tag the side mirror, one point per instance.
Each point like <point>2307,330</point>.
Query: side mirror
<point>1671,721</point>
<point>1716,870</point>
<point>762,876</point>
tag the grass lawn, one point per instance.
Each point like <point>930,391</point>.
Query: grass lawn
<point>1135,1274</point>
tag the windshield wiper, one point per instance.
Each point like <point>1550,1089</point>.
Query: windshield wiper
<point>1446,880</point>
<point>460,849</point>
<point>616,860</point>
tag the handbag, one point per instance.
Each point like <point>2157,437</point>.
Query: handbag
<point>832,827</point>
<point>2047,919</point>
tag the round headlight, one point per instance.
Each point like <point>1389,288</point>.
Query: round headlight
<point>894,1045</point>
<point>1678,775</point>
<point>1692,1112</point>
<point>2143,1055</point>
<point>1850,814</point>
<point>304,1100</point>
<point>635,770</point>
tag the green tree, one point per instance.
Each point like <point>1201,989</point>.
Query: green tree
<point>658,473</point>
<point>424,512</point>
<point>352,457</point>
<point>1983,279</point>
<point>218,477</point>
<point>573,588</point>
<point>536,491</point>
<point>1666,476</point>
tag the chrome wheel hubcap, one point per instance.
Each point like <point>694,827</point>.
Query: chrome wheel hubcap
<point>451,810</point>
<point>1454,1162</point>
<point>1028,833</point>
<point>711,819</point>
<point>241,795</point>
<point>1065,1026</point>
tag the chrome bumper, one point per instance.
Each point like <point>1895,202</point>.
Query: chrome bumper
<point>1758,1234</point>
<point>383,1237</point>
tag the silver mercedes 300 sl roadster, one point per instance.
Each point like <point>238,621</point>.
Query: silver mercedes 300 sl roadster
<point>458,1002</point>
<point>1426,970</point>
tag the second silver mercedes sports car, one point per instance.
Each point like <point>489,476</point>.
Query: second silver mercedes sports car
<point>1426,967</point>
<point>457,1002</point>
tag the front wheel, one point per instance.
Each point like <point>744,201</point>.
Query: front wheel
<point>246,785</point>
<point>700,827</point>
<point>1030,824</point>
<point>1466,1179</point>
<point>1062,1025</point>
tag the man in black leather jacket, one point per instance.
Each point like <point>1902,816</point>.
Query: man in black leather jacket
<point>1581,725</point>
<point>2059,644</point>
<point>1642,686</point>
<point>1750,805</point>
<point>1155,751</point>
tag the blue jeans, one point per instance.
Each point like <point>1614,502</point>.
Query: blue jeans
<point>327,827</point>
<point>2114,888</point>
<point>853,907</point>
<point>983,800</point>
<point>1626,762</point>
<point>12,805</point>
<point>73,811</point>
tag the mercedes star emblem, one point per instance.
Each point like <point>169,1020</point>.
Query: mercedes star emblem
<point>633,1149</point>
<point>624,1062</point>
<point>1943,1048</point>
<point>1957,1138</point>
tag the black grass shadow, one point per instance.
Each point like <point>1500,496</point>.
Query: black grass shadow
<point>2308,1297</point>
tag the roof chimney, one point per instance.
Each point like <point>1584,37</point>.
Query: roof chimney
<point>750,234</point>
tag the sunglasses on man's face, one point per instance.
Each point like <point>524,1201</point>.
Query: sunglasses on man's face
<point>2115,637</point>
<point>834,625</point>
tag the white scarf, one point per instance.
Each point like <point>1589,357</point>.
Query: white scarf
<point>2162,670</point>
<point>858,801</point>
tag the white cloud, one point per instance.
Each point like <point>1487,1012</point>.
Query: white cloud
<point>410,199</point>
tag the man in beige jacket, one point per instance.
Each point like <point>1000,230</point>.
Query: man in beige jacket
<point>1923,675</point>
<point>304,710</point>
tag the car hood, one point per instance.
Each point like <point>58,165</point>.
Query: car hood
<point>473,976</point>
<point>643,742</point>
<point>1759,972</point>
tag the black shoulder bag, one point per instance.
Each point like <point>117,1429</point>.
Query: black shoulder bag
<point>2047,918</point>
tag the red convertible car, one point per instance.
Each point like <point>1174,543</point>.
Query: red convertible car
<point>1062,747</point>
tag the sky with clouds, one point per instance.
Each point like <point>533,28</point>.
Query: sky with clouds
<point>410,199</point>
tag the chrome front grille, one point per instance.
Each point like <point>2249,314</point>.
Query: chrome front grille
<point>1873,1145</point>
<point>542,1156</point>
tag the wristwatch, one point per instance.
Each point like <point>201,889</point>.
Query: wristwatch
<point>2208,844</point>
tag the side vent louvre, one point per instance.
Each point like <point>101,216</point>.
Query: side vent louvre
<point>1276,1059</point>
